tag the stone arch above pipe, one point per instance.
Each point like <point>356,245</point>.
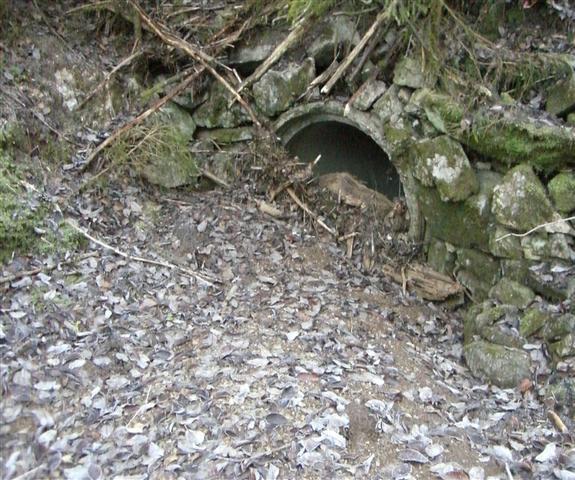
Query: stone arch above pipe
<point>302,116</point>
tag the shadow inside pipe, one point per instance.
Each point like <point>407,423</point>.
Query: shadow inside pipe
<point>344,148</point>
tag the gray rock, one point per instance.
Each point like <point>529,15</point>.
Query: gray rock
<point>562,191</point>
<point>565,347</point>
<point>508,247</point>
<point>542,246</point>
<point>337,34</point>
<point>496,364</point>
<point>276,91</point>
<point>256,49</point>
<point>367,95</point>
<point>389,107</point>
<point>532,321</point>
<point>561,96</point>
<point>477,271</point>
<point>409,73</point>
<point>513,293</point>
<point>520,201</point>
<point>443,163</point>
<point>440,257</point>
<point>559,327</point>
<point>218,111</point>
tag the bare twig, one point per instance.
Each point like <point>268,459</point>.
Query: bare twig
<point>47,268</point>
<point>106,79</point>
<point>383,16</point>
<point>534,229</point>
<point>201,277</point>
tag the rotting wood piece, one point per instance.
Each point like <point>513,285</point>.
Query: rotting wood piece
<point>427,283</point>
<point>352,192</point>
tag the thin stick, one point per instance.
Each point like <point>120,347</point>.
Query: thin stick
<point>538,227</point>
<point>201,277</point>
<point>211,176</point>
<point>381,18</point>
<point>307,210</point>
<point>106,79</point>
<point>47,268</point>
<point>293,36</point>
<point>198,55</point>
<point>141,117</point>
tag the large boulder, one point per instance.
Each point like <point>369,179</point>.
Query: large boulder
<point>519,201</point>
<point>277,91</point>
<point>497,364</point>
<point>509,135</point>
<point>443,163</point>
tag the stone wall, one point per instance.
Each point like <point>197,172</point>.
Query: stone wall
<point>474,178</point>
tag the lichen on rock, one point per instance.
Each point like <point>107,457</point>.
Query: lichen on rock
<point>520,201</point>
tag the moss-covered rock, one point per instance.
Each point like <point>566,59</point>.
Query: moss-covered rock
<point>561,96</point>
<point>389,107</point>
<point>443,163</point>
<point>520,201</point>
<point>368,94</point>
<point>463,224</point>
<point>559,327</point>
<point>226,136</point>
<point>336,35</point>
<point>509,135</point>
<point>504,246</point>
<point>565,347</point>
<point>520,271</point>
<point>276,91</point>
<point>219,111</point>
<point>441,257</point>
<point>532,321</point>
<point>562,191</point>
<point>409,72</point>
<point>477,271</point>
<point>513,293</point>
<point>496,364</point>
<point>543,246</point>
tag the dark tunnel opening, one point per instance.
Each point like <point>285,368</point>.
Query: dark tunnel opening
<point>344,148</point>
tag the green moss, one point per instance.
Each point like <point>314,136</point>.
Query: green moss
<point>562,191</point>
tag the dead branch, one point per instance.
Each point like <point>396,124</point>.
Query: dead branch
<point>107,78</point>
<point>206,60</point>
<point>427,283</point>
<point>383,16</point>
<point>293,37</point>
<point>534,229</point>
<point>210,281</point>
<point>141,117</point>
<point>47,268</point>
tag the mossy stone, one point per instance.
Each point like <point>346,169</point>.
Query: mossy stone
<point>558,327</point>
<point>532,321</point>
<point>513,293</point>
<point>502,335</point>
<point>389,106</point>
<point>564,347</point>
<point>219,111</point>
<point>570,119</point>
<point>463,224</point>
<point>543,246</point>
<point>440,257</point>
<point>276,91</point>
<point>501,245</point>
<point>519,201</point>
<point>409,72</point>
<point>562,191</point>
<point>561,96</point>
<point>507,135</point>
<point>477,271</point>
<point>442,162</point>
<point>496,364</point>
<point>519,270</point>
